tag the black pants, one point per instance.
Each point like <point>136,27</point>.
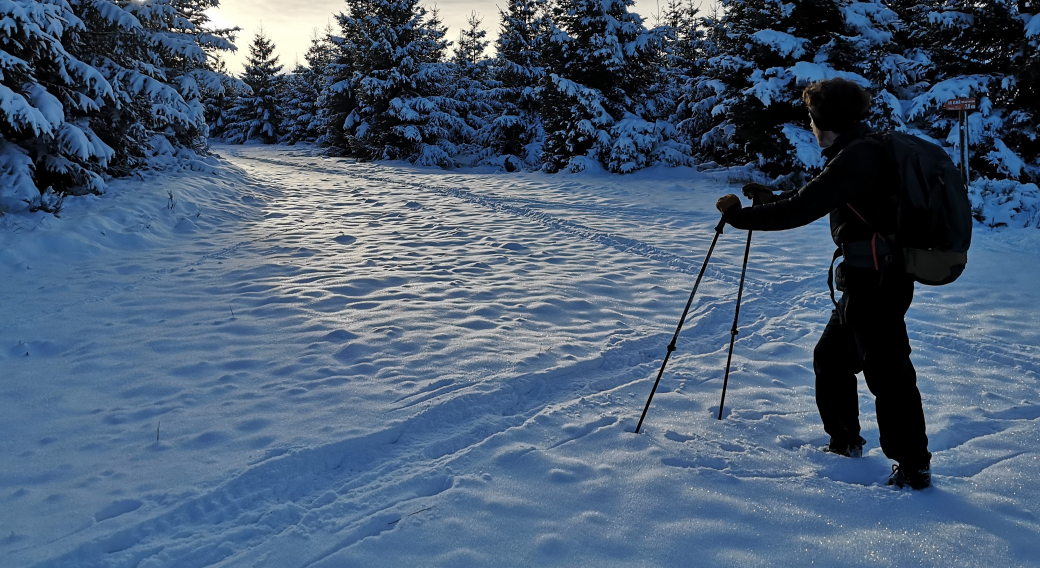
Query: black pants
<point>867,333</point>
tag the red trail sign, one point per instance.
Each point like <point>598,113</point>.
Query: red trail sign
<point>961,104</point>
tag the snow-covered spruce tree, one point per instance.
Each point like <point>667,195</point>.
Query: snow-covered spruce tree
<point>601,62</point>
<point>697,115</point>
<point>218,101</point>
<point>305,87</point>
<point>512,137</point>
<point>156,55</point>
<point>766,52</point>
<point>675,94</point>
<point>256,115</point>
<point>297,101</point>
<point>47,97</point>
<point>336,100</point>
<point>401,84</point>
<point>471,81</point>
<point>93,88</point>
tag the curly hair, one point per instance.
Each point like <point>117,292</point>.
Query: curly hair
<point>838,105</point>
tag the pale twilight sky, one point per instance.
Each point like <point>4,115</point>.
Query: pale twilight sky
<point>290,23</point>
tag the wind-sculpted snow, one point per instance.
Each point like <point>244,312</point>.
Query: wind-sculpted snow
<point>314,362</point>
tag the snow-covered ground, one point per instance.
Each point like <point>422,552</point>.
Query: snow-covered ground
<point>295,361</point>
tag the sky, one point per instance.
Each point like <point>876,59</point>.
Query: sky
<point>292,23</point>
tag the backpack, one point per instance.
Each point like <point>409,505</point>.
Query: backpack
<point>933,211</point>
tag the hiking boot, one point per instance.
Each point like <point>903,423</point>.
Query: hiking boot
<point>852,449</point>
<point>913,478</point>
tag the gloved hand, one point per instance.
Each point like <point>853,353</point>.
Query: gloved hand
<point>757,193</point>
<point>727,204</point>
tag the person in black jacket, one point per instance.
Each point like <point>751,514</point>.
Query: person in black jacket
<point>866,331</point>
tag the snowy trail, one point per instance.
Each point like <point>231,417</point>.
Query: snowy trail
<point>359,365</point>
<point>289,230</point>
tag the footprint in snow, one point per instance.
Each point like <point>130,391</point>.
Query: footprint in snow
<point>345,239</point>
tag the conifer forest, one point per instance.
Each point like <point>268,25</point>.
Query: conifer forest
<point>96,89</point>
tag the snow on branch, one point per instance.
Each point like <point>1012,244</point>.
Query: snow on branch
<point>943,91</point>
<point>115,15</point>
<point>871,20</point>
<point>785,44</point>
<point>807,72</point>
<point>806,148</point>
<point>21,115</point>
<point>1033,26</point>
<point>768,86</point>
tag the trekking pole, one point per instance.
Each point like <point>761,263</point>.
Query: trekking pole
<point>671,346</point>
<point>733,332</point>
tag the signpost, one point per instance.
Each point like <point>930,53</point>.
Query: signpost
<point>962,106</point>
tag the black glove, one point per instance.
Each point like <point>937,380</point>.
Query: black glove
<point>758,193</point>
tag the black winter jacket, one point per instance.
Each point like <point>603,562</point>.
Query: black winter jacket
<point>859,172</point>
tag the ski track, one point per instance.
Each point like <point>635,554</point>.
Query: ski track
<point>362,487</point>
<point>269,498</point>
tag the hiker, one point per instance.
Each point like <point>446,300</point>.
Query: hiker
<point>866,331</point>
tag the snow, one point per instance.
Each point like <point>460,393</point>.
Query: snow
<point>784,44</point>
<point>21,114</point>
<point>806,72</point>
<point>1032,25</point>
<point>951,19</point>
<point>865,17</point>
<point>49,107</point>
<point>295,361</point>
<point>806,148</point>
<point>1007,162</point>
<point>17,190</point>
<point>770,85</point>
<point>1005,202</point>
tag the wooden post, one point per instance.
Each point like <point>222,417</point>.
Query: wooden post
<point>962,106</point>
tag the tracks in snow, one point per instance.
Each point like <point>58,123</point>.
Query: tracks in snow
<point>344,492</point>
<point>534,210</point>
<point>1000,353</point>
<point>341,493</point>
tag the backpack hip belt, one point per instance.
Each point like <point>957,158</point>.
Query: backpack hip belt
<point>875,253</point>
